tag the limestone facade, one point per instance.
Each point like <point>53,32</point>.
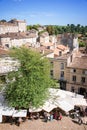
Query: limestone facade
<point>12,27</point>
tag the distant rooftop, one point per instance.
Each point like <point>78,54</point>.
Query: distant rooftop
<point>79,62</point>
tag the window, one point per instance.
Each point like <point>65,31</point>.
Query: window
<point>72,89</point>
<point>73,70</point>
<point>62,65</point>
<point>83,80</point>
<point>83,71</point>
<point>74,78</point>
<point>60,53</point>
<point>48,47</point>
<point>62,74</point>
<point>51,73</point>
<point>71,58</point>
<point>51,64</point>
<point>7,45</point>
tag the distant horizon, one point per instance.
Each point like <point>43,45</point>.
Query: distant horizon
<point>46,12</point>
<point>41,24</point>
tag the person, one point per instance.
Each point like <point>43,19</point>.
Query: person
<point>55,115</point>
<point>51,116</point>
<point>59,116</point>
<point>45,116</point>
<point>19,121</point>
<point>86,111</point>
<point>48,116</point>
<point>38,115</point>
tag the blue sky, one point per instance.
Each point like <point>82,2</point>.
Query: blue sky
<point>44,12</point>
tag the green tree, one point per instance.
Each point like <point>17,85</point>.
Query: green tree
<point>3,20</point>
<point>32,80</point>
<point>50,29</point>
<point>82,44</point>
<point>29,27</point>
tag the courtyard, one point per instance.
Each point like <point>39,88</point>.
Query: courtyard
<point>65,124</point>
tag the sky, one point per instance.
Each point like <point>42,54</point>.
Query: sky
<point>45,12</point>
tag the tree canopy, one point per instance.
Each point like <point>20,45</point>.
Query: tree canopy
<point>31,81</point>
<point>56,29</point>
<point>29,27</point>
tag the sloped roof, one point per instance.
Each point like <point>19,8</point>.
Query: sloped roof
<point>79,62</point>
<point>62,47</point>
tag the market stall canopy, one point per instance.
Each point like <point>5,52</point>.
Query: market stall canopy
<point>35,109</point>
<point>65,100</point>
<point>79,102</point>
<point>19,113</point>
<point>48,106</point>
<point>7,111</point>
<point>56,93</point>
<point>1,108</point>
<point>65,106</point>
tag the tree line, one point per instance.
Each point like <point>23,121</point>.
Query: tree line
<point>56,29</point>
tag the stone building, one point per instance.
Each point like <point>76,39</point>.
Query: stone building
<point>13,26</point>
<point>71,71</point>
<point>9,40</point>
<point>43,38</point>
<point>77,75</point>
<point>68,39</point>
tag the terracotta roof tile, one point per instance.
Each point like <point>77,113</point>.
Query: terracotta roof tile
<point>62,47</point>
<point>79,62</point>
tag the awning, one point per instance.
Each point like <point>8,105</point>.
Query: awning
<point>79,102</point>
<point>35,109</point>
<point>7,111</point>
<point>20,113</point>
<point>65,106</point>
<point>48,106</point>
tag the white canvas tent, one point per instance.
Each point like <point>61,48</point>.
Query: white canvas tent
<point>65,100</point>
<point>65,106</point>
<point>79,102</point>
<point>48,106</point>
<point>35,109</point>
<point>7,111</point>
<point>19,113</point>
<point>1,114</point>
